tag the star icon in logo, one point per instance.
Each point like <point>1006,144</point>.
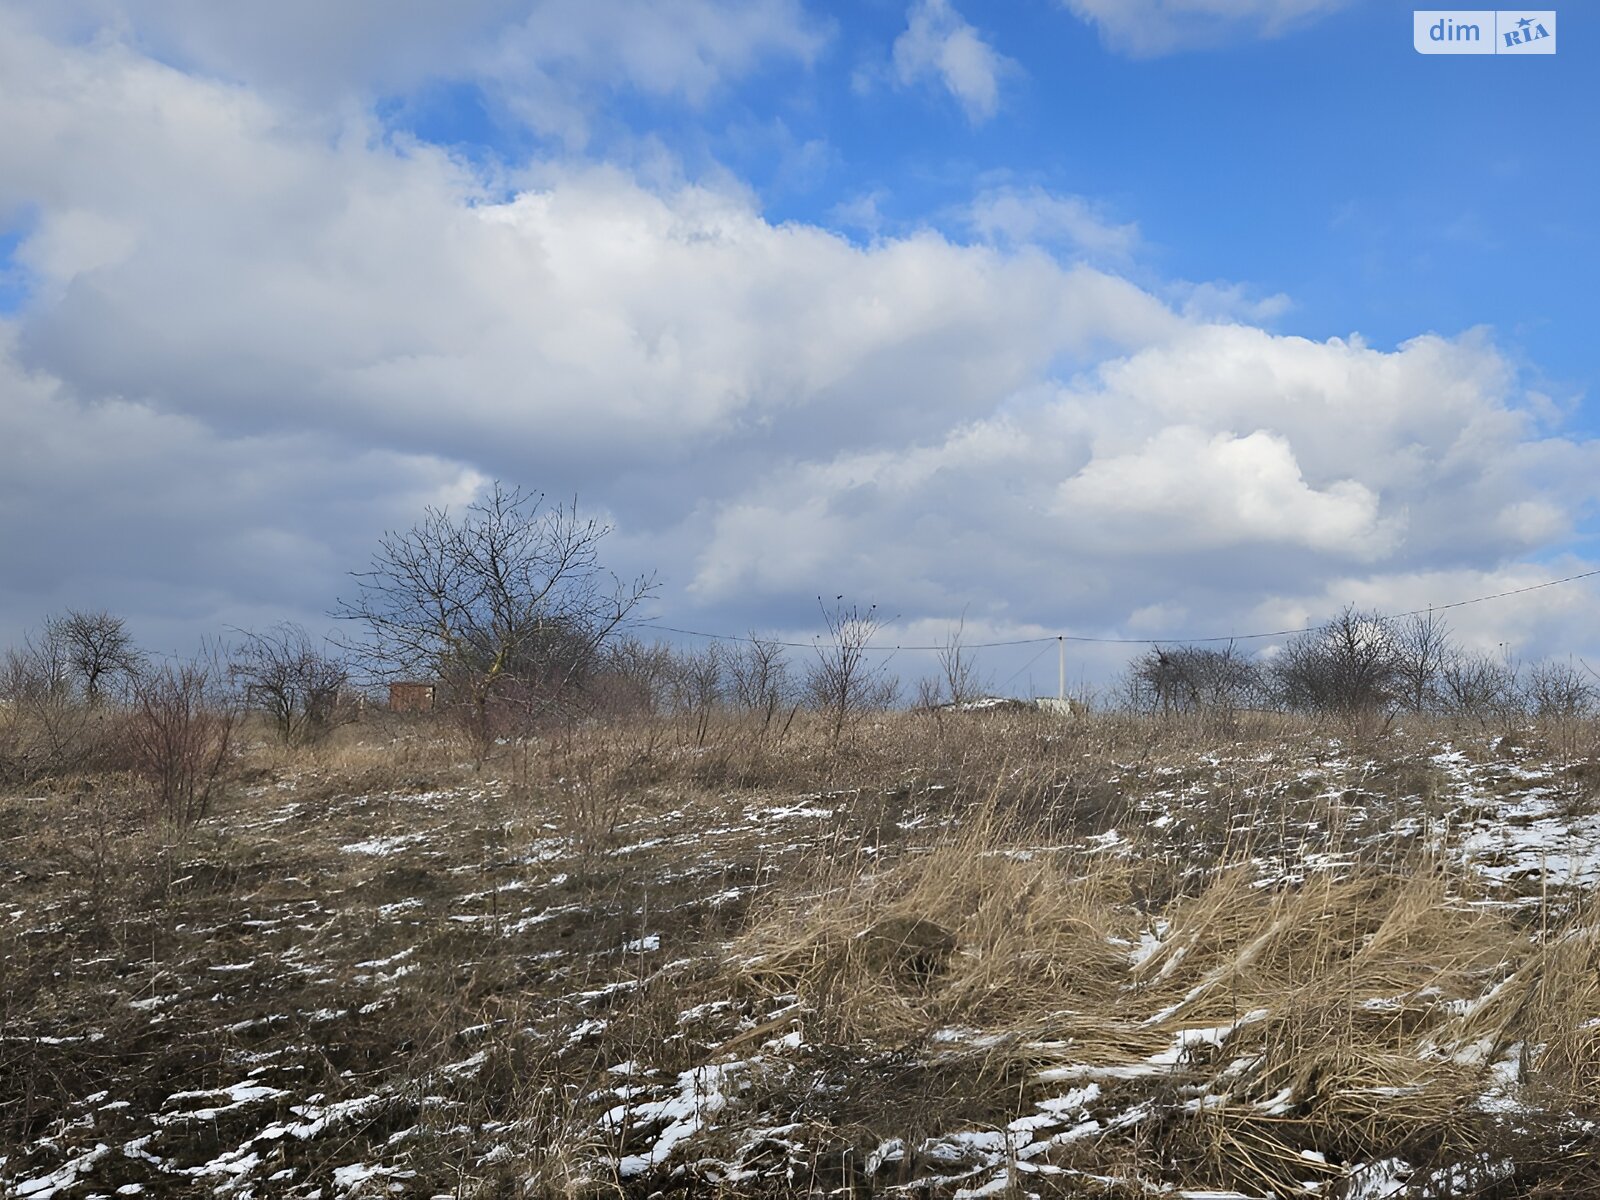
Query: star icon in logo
<point>1525,22</point>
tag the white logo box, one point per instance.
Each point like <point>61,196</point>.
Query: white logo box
<point>1484,31</point>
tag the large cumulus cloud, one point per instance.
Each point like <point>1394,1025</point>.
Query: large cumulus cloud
<point>1222,471</point>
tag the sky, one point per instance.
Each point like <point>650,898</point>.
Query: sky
<point>1109,318</point>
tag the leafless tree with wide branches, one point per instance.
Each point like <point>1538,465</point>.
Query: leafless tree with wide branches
<point>97,649</point>
<point>505,604</point>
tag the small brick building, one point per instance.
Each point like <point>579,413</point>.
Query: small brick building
<point>411,697</point>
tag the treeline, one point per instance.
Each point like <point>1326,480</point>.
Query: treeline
<point>505,611</point>
<point>78,697</point>
<point>1361,663</point>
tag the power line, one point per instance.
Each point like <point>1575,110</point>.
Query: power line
<point>735,637</point>
<point>1024,667</point>
<point>1122,641</point>
<point>1532,587</point>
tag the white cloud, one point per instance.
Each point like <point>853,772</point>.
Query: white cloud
<point>1187,490</point>
<point>1222,301</point>
<point>546,61</point>
<point>1017,216</point>
<point>198,254</point>
<point>860,212</point>
<point>1147,28</point>
<point>182,527</point>
<point>939,44</point>
<point>192,246</point>
<point>682,47</point>
<point>1221,472</point>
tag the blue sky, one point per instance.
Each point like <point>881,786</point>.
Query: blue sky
<point>1130,319</point>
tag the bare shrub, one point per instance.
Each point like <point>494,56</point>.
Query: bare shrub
<point>45,727</point>
<point>1479,686</point>
<point>958,671</point>
<point>635,678</point>
<point>844,682</point>
<point>1559,691</point>
<point>300,686</point>
<point>697,687</point>
<point>1191,679</point>
<point>178,738</point>
<point>759,679</point>
<point>1425,649</point>
<point>1351,666</point>
<point>1562,698</point>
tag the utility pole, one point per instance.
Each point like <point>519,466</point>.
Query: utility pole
<point>1061,668</point>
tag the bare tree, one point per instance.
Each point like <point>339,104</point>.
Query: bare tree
<point>44,728</point>
<point>699,686</point>
<point>635,676</point>
<point>929,695</point>
<point>1559,690</point>
<point>1173,679</point>
<point>506,601</point>
<point>1349,666</point>
<point>31,671</point>
<point>97,649</point>
<point>844,682</point>
<point>1480,686</point>
<point>299,685</point>
<point>39,667</point>
<point>960,678</point>
<point>759,677</point>
<point>1424,647</point>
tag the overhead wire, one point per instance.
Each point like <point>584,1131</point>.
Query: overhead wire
<point>1127,641</point>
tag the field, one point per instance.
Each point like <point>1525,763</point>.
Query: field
<point>955,954</point>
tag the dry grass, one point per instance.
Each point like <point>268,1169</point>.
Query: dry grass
<point>1254,958</point>
<point>980,926</point>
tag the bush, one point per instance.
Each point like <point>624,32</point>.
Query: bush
<point>1559,691</point>
<point>845,683</point>
<point>178,738</point>
<point>1187,679</point>
<point>1352,665</point>
<point>1481,687</point>
<point>46,729</point>
<point>302,688</point>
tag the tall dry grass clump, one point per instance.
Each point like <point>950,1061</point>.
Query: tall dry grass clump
<point>1543,1019</point>
<point>979,927</point>
<point>1287,1025</point>
<point>1316,1007</point>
